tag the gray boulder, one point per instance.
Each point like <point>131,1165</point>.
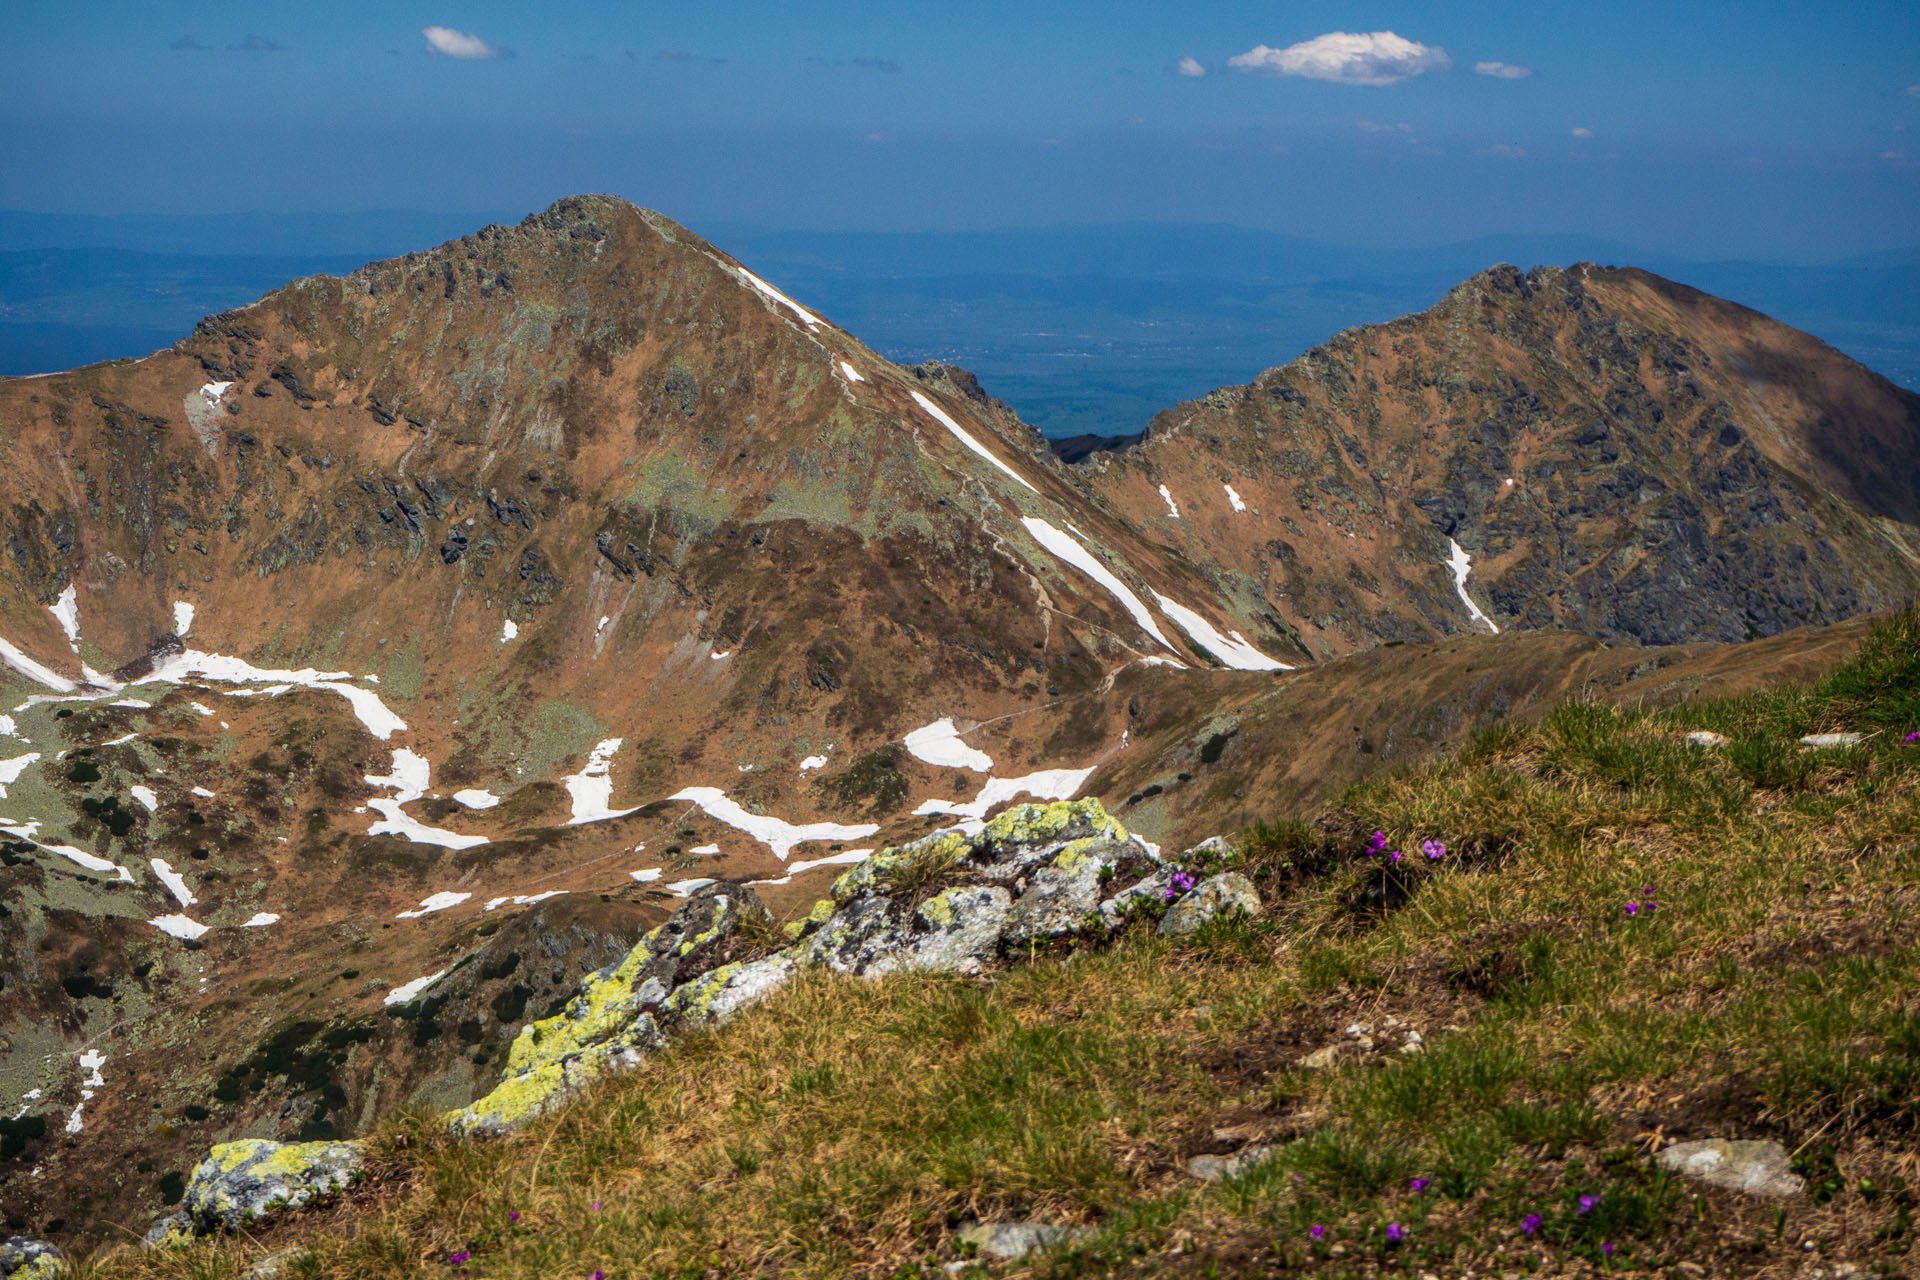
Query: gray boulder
<point>25,1259</point>
<point>241,1182</point>
<point>1214,896</point>
<point>713,998</point>
<point>1753,1168</point>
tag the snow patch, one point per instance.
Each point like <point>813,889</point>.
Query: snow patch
<point>1048,784</point>
<point>20,662</point>
<point>202,708</point>
<point>1231,648</point>
<point>203,793</point>
<point>79,856</point>
<point>380,721</point>
<point>724,653</point>
<point>960,433</point>
<point>180,927</point>
<point>522,900</point>
<point>400,995</point>
<point>214,390</point>
<point>939,744</point>
<point>687,888</point>
<point>508,631</point>
<point>67,610</point>
<point>175,882</point>
<point>408,781</point>
<point>1461,563</point>
<point>1168,499</point>
<point>91,1061</point>
<point>777,835</point>
<point>831,860</point>
<point>592,787</point>
<point>9,729</point>
<point>811,762</point>
<point>806,317</point>
<point>647,876</point>
<point>475,798</point>
<point>853,374</point>
<point>1063,545</point>
<point>437,902</point>
<point>10,770</point>
<point>1234,498</point>
<point>705,850</point>
<point>182,617</point>
<point>261,920</point>
<point>146,796</point>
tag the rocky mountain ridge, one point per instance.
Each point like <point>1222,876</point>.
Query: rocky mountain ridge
<point>476,608</point>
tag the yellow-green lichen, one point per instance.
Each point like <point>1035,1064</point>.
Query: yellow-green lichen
<point>938,910</point>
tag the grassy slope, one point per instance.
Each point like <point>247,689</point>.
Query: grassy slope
<point>849,1126</point>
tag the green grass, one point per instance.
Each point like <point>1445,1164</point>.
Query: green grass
<point>851,1127</point>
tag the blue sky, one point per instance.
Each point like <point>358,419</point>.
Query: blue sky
<point>1768,130</point>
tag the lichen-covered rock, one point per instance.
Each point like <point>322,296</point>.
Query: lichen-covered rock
<point>962,929</point>
<point>1154,888</point>
<point>175,1228</point>
<point>1028,834</point>
<point>241,1182</point>
<point>1061,896</point>
<point>25,1259</point>
<point>1707,739</point>
<point>610,1024</point>
<point>1755,1168</point>
<point>861,937</point>
<point>922,858</point>
<point>1229,891</point>
<point>712,998</point>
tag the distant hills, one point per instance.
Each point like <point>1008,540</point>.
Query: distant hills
<point>1082,329</point>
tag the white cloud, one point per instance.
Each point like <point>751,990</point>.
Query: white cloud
<point>449,43</point>
<point>1911,91</point>
<point>1893,157</point>
<point>1581,131</point>
<point>1501,70</point>
<point>1504,151</point>
<point>1378,57</point>
<point>1374,126</point>
<point>1190,67</point>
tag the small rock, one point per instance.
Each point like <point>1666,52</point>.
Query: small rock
<point>1017,1239</point>
<point>1832,741</point>
<point>1707,739</point>
<point>274,1265</point>
<point>25,1259</point>
<point>1413,1044</point>
<point>1755,1168</point>
<point>1214,1168</point>
<point>860,937</point>
<point>175,1228</point>
<point>1321,1059</point>
<point>1213,896</point>
<point>963,929</point>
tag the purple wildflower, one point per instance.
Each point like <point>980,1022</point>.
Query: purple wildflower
<point>1379,841</point>
<point>1607,1248</point>
<point>1394,856</point>
<point>1433,849</point>
<point>460,1258</point>
<point>1317,1231</point>
<point>1633,908</point>
<point>1587,1203</point>
<point>514,1216</point>
<point>1530,1224</point>
<point>1182,881</point>
<point>1420,1186</point>
<point>598,1274</point>
<point>596,1206</point>
<point>1395,1233</point>
<point>1914,736</point>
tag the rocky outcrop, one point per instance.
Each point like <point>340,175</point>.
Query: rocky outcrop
<point>952,902</point>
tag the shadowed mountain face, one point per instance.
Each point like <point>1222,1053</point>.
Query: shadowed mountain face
<point>388,652</point>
